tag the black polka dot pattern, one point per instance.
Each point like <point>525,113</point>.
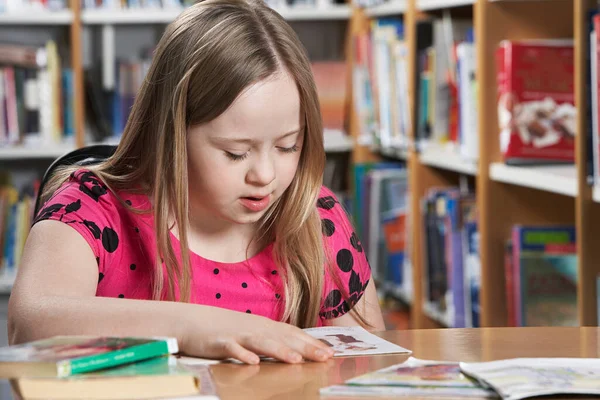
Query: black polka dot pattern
<point>132,267</point>
<point>355,242</point>
<point>328,227</point>
<point>277,296</point>
<point>128,202</point>
<point>248,312</point>
<point>110,239</point>
<point>121,296</point>
<point>326,203</point>
<point>244,285</point>
<point>344,260</point>
<point>218,296</point>
<point>274,272</point>
<point>216,271</point>
<point>350,264</point>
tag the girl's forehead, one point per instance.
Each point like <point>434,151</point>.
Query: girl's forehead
<point>271,106</point>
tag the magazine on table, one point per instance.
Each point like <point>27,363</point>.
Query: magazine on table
<point>521,378</point>
<point>414,377</point>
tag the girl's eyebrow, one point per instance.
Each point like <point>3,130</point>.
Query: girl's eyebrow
<point>253,141</point>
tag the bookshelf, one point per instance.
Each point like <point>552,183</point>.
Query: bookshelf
<point>29,153</point>
<point>553,179</point>
<point>392,7</point>
<point>506,195</point>
<point>165,16</point>
<point>41,18</point>
<point>447,159</point>
<point>428,5</point>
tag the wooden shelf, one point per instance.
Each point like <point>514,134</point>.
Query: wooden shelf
<point>27,153</point>
<point>425,5</point>
<point>6,282</point>
<point>596,194</point>
<point>390,8</point>
<point>561,179</point>
<point>37,17</point>
<point>448,160</point>
<point>165,16</point>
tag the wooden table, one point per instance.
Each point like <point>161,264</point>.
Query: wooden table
<point>302,381</point>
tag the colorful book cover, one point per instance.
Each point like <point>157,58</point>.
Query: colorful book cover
<point>545,275</point>
<point>63,356</point>
<point>536,110</point>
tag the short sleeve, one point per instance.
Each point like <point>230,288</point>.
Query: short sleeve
<point>84,203</point>
<point>348,272</point>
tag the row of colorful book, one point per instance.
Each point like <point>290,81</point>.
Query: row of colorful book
<point>330,79</point>
<point>452,269</point>
<point>16,216</point>
<point>446,84</point>
<point>381,214</point>
<point>142,5</point>
<point>36,96</point>
<point>380,84</point>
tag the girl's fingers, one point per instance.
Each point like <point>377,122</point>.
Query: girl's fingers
<point>312,349</point>
<point>234,350</point>
<point>272,348</point>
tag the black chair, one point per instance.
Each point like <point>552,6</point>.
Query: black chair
<point>88,155</point>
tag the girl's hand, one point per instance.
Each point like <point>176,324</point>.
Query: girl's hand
<point>245,337</point>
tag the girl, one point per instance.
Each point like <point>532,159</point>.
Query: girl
<point>209,223</point>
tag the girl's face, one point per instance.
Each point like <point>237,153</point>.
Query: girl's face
<point>240,163</point>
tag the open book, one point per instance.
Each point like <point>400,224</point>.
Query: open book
<point>354,341</point>
<point>520,378</point>
<point>414,377</point>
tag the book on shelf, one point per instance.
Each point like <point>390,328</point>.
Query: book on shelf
<point>451,259</point>
<point>542,271</point>
<point>63,356</point>
<point>157,378</point>
<point>414,377</point>
<point>38,94</point>
<point>536,101</point>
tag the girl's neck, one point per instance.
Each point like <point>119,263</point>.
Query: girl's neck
<point>219,240</point>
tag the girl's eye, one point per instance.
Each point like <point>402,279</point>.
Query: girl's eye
<point>292,149</point>
<point>236,157</point>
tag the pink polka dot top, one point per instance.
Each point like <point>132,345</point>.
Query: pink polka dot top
<point>124,245</point>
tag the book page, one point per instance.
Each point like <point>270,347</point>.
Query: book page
<point>354,341</point>
<point>521,378</point>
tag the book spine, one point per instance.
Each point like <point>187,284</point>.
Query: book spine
<point>136,353</point>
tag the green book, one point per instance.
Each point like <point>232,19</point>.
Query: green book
<point>63,356</point>
<point>159,377</point>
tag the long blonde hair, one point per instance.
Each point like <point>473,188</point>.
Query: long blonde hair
<point>205,59</point>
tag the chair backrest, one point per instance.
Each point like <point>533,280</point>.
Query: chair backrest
<point>88,155</point>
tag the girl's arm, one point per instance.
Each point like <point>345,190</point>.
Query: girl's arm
<point>54,294</point>
<point>368,307</point>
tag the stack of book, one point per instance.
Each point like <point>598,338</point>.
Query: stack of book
<point>102,368</point>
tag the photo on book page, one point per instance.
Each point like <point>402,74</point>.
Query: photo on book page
<point>521,378</point>
<point>354,341</point>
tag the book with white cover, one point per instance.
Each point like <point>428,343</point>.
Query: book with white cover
<point>354,341</point>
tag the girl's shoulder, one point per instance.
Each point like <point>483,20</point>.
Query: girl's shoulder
<point>330,207</point>
<point>84,192</point>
